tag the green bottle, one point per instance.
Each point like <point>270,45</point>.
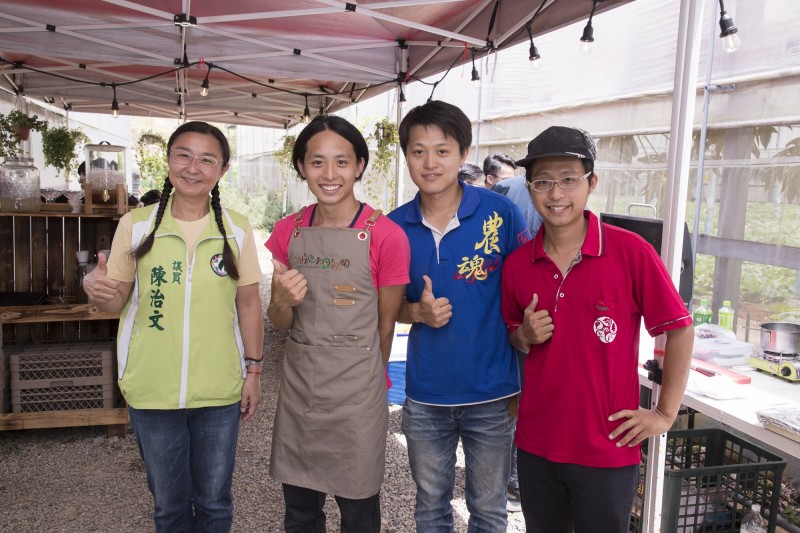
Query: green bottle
<point>702,315</point>
<point>725,314</point>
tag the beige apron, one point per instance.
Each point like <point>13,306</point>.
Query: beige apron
<point>332,416</point>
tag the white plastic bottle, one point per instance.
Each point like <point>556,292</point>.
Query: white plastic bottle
<point>753,522</point>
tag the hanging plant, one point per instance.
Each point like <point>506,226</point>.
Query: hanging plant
<point>151,157</point>
<point>60,146</point>
<point>385,137</point>
<point>15,128</point>
<point>283,156</point>
<point>22,124</point>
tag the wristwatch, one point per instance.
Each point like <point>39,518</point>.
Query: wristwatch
<point>257,362</point>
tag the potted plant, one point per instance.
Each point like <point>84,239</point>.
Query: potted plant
<point>22,124</point>
<point>59,148</point>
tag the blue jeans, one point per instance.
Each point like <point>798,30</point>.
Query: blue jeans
<point>432,432</point>
<point>189,456</point>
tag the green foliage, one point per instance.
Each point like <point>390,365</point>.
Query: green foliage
<point>385,137</point>
<point>263,210</point>
<point>9,136</point>
<point>18,119</point>
<point>283,156</point>
<point>789,503</point>
<point>60,146</point>
<point>151,158</point>
<point>9,141</point>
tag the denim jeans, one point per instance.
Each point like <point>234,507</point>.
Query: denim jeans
<point>189,456</point>
<point>432,432</point>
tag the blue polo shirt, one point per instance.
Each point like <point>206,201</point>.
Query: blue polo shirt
<point>469,360</point>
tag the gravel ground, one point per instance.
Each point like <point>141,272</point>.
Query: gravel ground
<point>81,480</point>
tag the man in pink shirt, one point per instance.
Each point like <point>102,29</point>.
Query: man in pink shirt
<point>573,299</point>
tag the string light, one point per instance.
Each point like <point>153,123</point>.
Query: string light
<point>476,78</point>
<point>728,32</point>
<point>204,85</point>
<point>114,104</point>
<point>306,112</point>
<point>588,32</point>
<point>402,97</point>
<point>533,52</point>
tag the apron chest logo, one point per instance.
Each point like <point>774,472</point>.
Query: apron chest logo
<point>323,263</point>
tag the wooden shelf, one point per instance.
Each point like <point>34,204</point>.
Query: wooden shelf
<point>63,214</point>
<point>30,314</point>
<point>37,255</point>
<point>64,419</point>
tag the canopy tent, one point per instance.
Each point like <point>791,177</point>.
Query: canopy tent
<point>265,62</point>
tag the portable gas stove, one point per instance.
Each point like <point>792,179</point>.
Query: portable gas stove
<point>786,366</point>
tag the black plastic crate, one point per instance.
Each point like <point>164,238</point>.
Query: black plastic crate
<point>711,478</point>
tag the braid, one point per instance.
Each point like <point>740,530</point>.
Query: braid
<point>228,258</point>
<point>147,244</point>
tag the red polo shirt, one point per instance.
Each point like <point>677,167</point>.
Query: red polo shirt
<point>588,369</point>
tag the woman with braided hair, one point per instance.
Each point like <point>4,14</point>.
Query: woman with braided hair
<point>184,275</point>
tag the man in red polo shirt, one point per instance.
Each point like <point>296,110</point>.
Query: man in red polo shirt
<point>573,299</point>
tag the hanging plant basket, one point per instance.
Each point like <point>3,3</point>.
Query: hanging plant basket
<point>23,132</point>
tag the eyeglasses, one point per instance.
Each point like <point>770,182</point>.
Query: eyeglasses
<point>184,159</point>
<point>567,182</point>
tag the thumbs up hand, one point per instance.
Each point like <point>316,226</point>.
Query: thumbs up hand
<point>537,325</point>
<point>434,312</point>
<point>98,286</point>
<point>289,286</point>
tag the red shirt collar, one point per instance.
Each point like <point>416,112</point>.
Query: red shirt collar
<point>593,243</point>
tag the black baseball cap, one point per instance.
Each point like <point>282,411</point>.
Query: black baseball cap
<point>560,141</point>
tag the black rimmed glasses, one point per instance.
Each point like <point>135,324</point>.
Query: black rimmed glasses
<point>183,158</point>
<point>567,182</point>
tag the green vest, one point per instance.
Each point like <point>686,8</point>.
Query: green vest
<point>179,344</point>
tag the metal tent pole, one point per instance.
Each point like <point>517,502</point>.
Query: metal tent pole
<point>684,95</point>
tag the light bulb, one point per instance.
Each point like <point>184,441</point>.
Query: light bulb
<point>114,108</point>
<point>204,88</point>
<point>731,43</point>
<point>476,78</point>
<point>587,38</point>
<point>306,115</point>
<point>534,57</point>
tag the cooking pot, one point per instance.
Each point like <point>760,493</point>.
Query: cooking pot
<point>780,337</point>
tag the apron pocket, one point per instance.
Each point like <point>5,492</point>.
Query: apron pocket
<point>341,376</point>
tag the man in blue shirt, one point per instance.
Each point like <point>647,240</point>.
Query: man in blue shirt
<point>500,177</point>
<point>461,380</point>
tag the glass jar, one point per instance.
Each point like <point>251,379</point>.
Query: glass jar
<point>105,170</point>
<point>19,186</point>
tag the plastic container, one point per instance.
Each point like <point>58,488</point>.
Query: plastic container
<point>19,186</point>
<point>753,522</point>
<point>58,377</point>
<point>725,315</point>
<point>702,315</point>
<point>707,476</point>
<point>722,351</point>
